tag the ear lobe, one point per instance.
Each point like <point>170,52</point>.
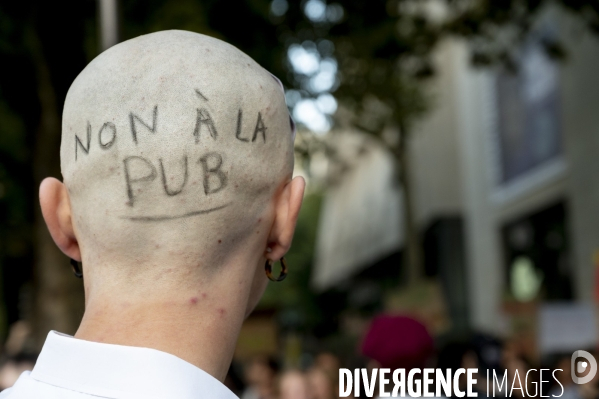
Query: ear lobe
<point>56,209</point>
<point>287,212</point>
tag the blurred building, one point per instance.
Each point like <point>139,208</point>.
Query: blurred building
<point>506,187</point>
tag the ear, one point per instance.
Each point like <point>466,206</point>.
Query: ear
<point>286,212</point>
<point>56,208</point>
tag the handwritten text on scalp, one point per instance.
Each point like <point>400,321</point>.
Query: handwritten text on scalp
<point>107,134</point>
<point>214,178</point>
<point>211,167</point>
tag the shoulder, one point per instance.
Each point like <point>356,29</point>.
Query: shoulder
<point>6,393</point>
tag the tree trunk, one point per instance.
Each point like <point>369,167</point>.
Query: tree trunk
<point>412,251</point>
<point>58,295</point>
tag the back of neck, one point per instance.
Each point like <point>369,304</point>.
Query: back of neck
<point>200,327</point>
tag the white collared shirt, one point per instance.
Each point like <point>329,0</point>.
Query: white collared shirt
<point>71,368</point>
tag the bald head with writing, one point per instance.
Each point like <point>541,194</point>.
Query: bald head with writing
<point>177,158</point>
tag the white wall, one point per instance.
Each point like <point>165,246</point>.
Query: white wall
<point>487,208</point>
<point>434,147</point>
<point>580,102</point>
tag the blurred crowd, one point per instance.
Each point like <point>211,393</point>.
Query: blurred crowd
<point>401,342</point>
<point>390,342</point>
<point>264,379</point>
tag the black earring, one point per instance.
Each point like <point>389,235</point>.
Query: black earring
<point>282,274</point>
<point>76,269</point>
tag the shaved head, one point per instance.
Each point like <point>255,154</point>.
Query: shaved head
<point>177,193</point>
<point>174,146</point>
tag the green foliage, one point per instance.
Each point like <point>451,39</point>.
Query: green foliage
<point>384,48</point>
<point>383,56</point>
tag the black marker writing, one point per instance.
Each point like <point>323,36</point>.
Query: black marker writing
<point>168,191</point>
<point>133,118</point>
<point>161,218</point>
<point>260,128</point>
<point>107,126</point>
<point>204,119</point>
<point>216,160</point>
<point>78,142</point>
<point>203,97</point>
<point>130,180</point>
<point>238,131</point>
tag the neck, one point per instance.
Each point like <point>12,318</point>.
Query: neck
<point>199,325</point>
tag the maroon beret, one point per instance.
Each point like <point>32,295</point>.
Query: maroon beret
<point>397,342</point>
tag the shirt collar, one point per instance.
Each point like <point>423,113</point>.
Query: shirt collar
<point>116,371</point>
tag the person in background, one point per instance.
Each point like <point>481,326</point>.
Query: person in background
<point>293,384</point>
<point>17,356</point>
<point>397,342</point>
<point>19,338</point>
<point>13,367</point>
<point>323,383</point>
<point>260,376</point>
<point>327,361</point>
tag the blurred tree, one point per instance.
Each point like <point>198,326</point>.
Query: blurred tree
<point>384,53</point>
<point>42,49</point>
